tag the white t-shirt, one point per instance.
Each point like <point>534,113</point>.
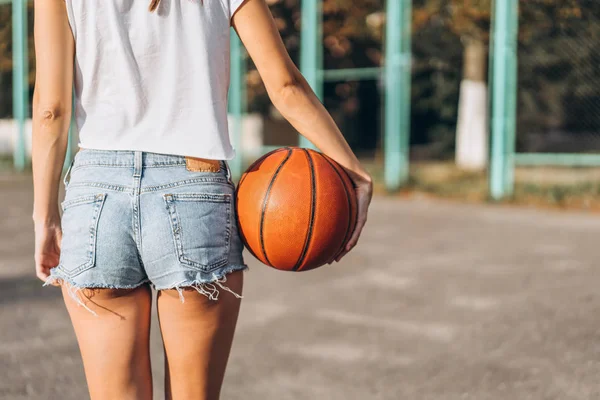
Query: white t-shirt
<point>153,81</point>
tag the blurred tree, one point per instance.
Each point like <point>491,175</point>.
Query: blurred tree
<point>559,72</point>
<point>352,35</point>
<point>469,22</point>
<point>559,76</point>
<point>5,61</point>
<point>6,58</point>
<point>559,66</point>
<point>352,38</point>
<point>467,19</point>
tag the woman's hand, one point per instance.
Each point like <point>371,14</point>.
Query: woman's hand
<point>363,185</point>
<point>47,248</point>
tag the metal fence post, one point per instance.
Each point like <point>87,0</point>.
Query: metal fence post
<point>397,92</point>
<point>237,101</point>
<point>311,49</point>
<point>20,82</point>
<point>504,96</point>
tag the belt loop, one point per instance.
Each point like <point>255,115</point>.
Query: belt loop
<point>137,164</point>
<point>67,176</point>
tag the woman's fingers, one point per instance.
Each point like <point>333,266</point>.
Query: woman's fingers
<point>47,250</point>
<point>364,194</point>
<point>41,271</point>
<point>354,239</point>
<point>42,274</point>
<point>42,268</point>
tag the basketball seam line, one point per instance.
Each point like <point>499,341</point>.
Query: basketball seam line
<point>257,161</point>
<point>237,190</point>
<point>349,206</point>
<point>266,200</point>
<point>312,211</point>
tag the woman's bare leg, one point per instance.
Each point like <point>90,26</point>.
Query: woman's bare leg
<point>114,343</point>
<point>197,336</point>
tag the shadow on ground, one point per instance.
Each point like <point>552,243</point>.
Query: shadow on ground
<point>20,289</point>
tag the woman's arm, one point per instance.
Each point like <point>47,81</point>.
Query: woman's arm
<point>295,100</point>
<point>51,115</point>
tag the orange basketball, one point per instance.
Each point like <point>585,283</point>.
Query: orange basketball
<point>296,209</point>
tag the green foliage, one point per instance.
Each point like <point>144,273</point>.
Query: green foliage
<point>559,66</point>
<point>6,57</point>
<point>437,69</point>
<point>5,60</point>
<point>559,71</point>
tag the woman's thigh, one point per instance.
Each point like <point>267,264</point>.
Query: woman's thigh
<point>114,341</point>
<point>197,336</point>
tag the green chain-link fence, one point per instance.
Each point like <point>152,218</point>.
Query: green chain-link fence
<point>559,81</point>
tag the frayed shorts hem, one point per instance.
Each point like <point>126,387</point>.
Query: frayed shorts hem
<point>56,278</point>
<point>189,276</point>
<point>207,284</point>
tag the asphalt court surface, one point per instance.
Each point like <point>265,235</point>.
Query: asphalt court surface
<point>439,301</point>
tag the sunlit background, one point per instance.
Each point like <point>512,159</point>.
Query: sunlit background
<point>476,275</point>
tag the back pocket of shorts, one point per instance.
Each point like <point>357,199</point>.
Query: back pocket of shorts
<point>79,226</point>
<point>201,228</point>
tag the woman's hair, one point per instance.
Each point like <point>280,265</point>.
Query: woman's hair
<point>153,5</point>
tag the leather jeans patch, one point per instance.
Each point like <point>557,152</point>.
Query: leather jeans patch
<point>195,164</point>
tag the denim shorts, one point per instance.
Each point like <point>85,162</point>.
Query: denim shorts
<point>133,217</point>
